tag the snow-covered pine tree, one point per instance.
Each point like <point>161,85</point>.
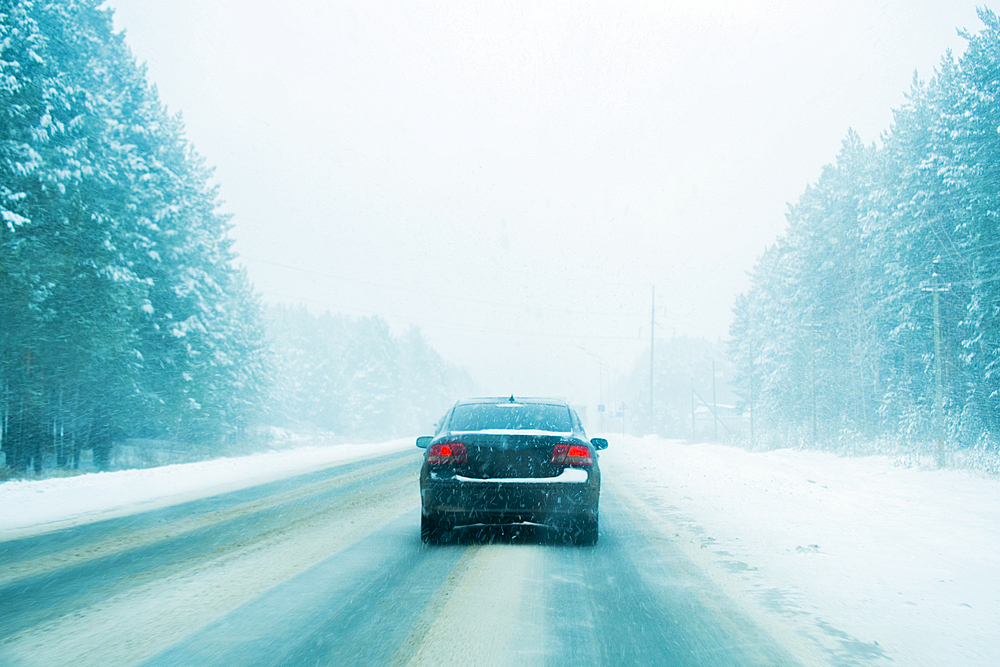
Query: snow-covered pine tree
<point>859,259</point>
<point>111,250</point>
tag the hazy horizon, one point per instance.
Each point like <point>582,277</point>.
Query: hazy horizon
<point>515,179</point>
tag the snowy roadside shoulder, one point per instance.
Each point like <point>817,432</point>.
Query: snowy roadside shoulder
<point>872,562</point>
<point>33,507</point>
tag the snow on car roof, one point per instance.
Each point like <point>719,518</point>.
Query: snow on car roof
<point>517,399</point>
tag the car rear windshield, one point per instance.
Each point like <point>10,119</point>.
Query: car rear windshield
<point>511,416</point>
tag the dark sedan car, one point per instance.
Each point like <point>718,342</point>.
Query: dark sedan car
<point>501,461</point>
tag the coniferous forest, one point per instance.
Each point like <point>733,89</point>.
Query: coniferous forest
<point>122,314</point>
<point>121,311</point>
<point>352,376</point>
<point>876,316</point>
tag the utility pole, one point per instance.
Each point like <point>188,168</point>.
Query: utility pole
<point>812,374</point>
<point>935,288</point>
<point>600,393</point>
<point>715,406</point>
<point>751,405</point>
<point>753,372</point>
<point>694,431</point>
<point>601,407</point>
<point>652,340</point>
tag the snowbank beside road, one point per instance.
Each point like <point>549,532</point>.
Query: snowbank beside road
<point>31,507</point>
<point>871,561</point>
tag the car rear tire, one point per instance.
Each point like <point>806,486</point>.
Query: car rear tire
<point>431,529</point>
<point>585,532</point>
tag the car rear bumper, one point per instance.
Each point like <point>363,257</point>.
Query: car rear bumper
<point>458,501</point>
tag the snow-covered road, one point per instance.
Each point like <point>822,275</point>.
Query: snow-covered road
<point>33,507</point>
<point>868,559</point>
<point>708,555</point>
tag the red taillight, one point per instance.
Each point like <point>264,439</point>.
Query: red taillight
<point>447,452</point>
<point>566,454</point>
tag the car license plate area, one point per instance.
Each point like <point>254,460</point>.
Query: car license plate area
<point>490,462</point>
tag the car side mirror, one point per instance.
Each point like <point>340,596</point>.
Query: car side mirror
<point>599,443</point>
<point>424,441</point>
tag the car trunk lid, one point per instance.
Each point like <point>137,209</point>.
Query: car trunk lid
<point>510,455</point>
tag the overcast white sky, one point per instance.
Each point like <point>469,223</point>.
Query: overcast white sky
<point>514,177</point>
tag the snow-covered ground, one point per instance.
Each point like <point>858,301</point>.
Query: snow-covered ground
<point>863,556</point>
<point>30,507</point>
<point>871,561</point>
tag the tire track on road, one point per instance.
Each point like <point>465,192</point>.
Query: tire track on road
<point>127,539</point>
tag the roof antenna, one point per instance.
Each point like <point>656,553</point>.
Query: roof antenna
<point>512,398</point>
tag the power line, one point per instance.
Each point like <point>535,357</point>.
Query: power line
<point>436,324</point>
